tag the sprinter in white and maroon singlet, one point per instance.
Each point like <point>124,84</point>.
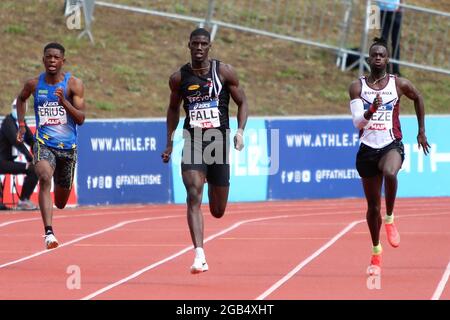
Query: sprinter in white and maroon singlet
<point>375,106</point>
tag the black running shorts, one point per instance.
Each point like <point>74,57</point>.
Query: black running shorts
<point>207,151</point>
<point>367,158</point>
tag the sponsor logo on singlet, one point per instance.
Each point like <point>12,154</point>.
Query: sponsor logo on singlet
<point>383,93</point>
<point>193,87</point>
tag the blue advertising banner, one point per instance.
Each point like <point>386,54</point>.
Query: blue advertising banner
<point>421,175</point>
<point>291,158</point>
<point>248,167</point>
<point>120,162</point>
<point>317,159</point>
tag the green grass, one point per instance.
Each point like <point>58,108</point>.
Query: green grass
<point>16,29</point>
<point>180,9</point>
<point>126,71</point>
<point>28,64</point>
<point>290,73</point>
<point>105,105</point>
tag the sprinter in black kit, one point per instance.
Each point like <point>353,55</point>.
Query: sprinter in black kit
<point>204,86</point>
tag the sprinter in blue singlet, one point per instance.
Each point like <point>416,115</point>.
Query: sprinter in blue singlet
<point>59,108</point>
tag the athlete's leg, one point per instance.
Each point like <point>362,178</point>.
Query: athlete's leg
<point>218,199</point>
<point>64,174</point>
<point>45,164</point>
<point>193,181</point>
<point>61,196</point>
<point>218,177</point>
<point>389,165</point>
<point>45,172</point>
<point>372,190</point>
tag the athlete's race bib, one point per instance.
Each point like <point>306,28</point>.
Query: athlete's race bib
<point>204,114</point>
<point>382,119</point>
<point>51,114</point>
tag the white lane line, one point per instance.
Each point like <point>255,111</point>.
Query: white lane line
<point>179,253</point>
<point>90,235</point>
<point>115,245</point>
<point>4,224</point>
<point>273,238</point>
<point>148,210</point>
<point>441,286</point>
<point>302,264</point>
<point>230,211</point>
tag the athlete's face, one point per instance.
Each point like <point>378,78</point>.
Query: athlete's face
<point>378,58</point>
<point>53,60</point>
<point>199,46</point>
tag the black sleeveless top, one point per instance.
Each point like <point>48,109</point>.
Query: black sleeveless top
<point>205,98</point>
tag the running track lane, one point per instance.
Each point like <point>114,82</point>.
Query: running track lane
<point>230,249</point>
<point>111,254</point>
<point>239,284</point>
<point>411,271</point>
<point>22,237</point>
<point>243,261</point>
<point>233,284</point>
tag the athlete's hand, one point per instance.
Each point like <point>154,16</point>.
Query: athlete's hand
<point>60,94</point>
<point>166,154</point>
<point>238,141</point>
<point>20,134</point>
<point>377,102</point>
<point>422,141</point>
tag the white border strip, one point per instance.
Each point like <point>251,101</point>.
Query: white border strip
<point>88,214</point>
<point>294,117</point>
<point>31,120</point>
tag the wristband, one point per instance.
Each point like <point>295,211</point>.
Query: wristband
<point>372,109</point>
<point>21,123</point>
<point>239,134</point>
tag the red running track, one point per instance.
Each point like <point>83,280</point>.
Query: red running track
<point>273,250</point>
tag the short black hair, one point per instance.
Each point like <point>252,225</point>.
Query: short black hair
<point>379,42</point>
<point>55,45</point>
<point>200,32</point>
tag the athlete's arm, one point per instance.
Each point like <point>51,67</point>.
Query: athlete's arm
<point>360,117</point>
<point>238,95</point>
<point>77,109</point>
<point>173,113</point>
<point>404,86</point>
<point>26,92</point>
